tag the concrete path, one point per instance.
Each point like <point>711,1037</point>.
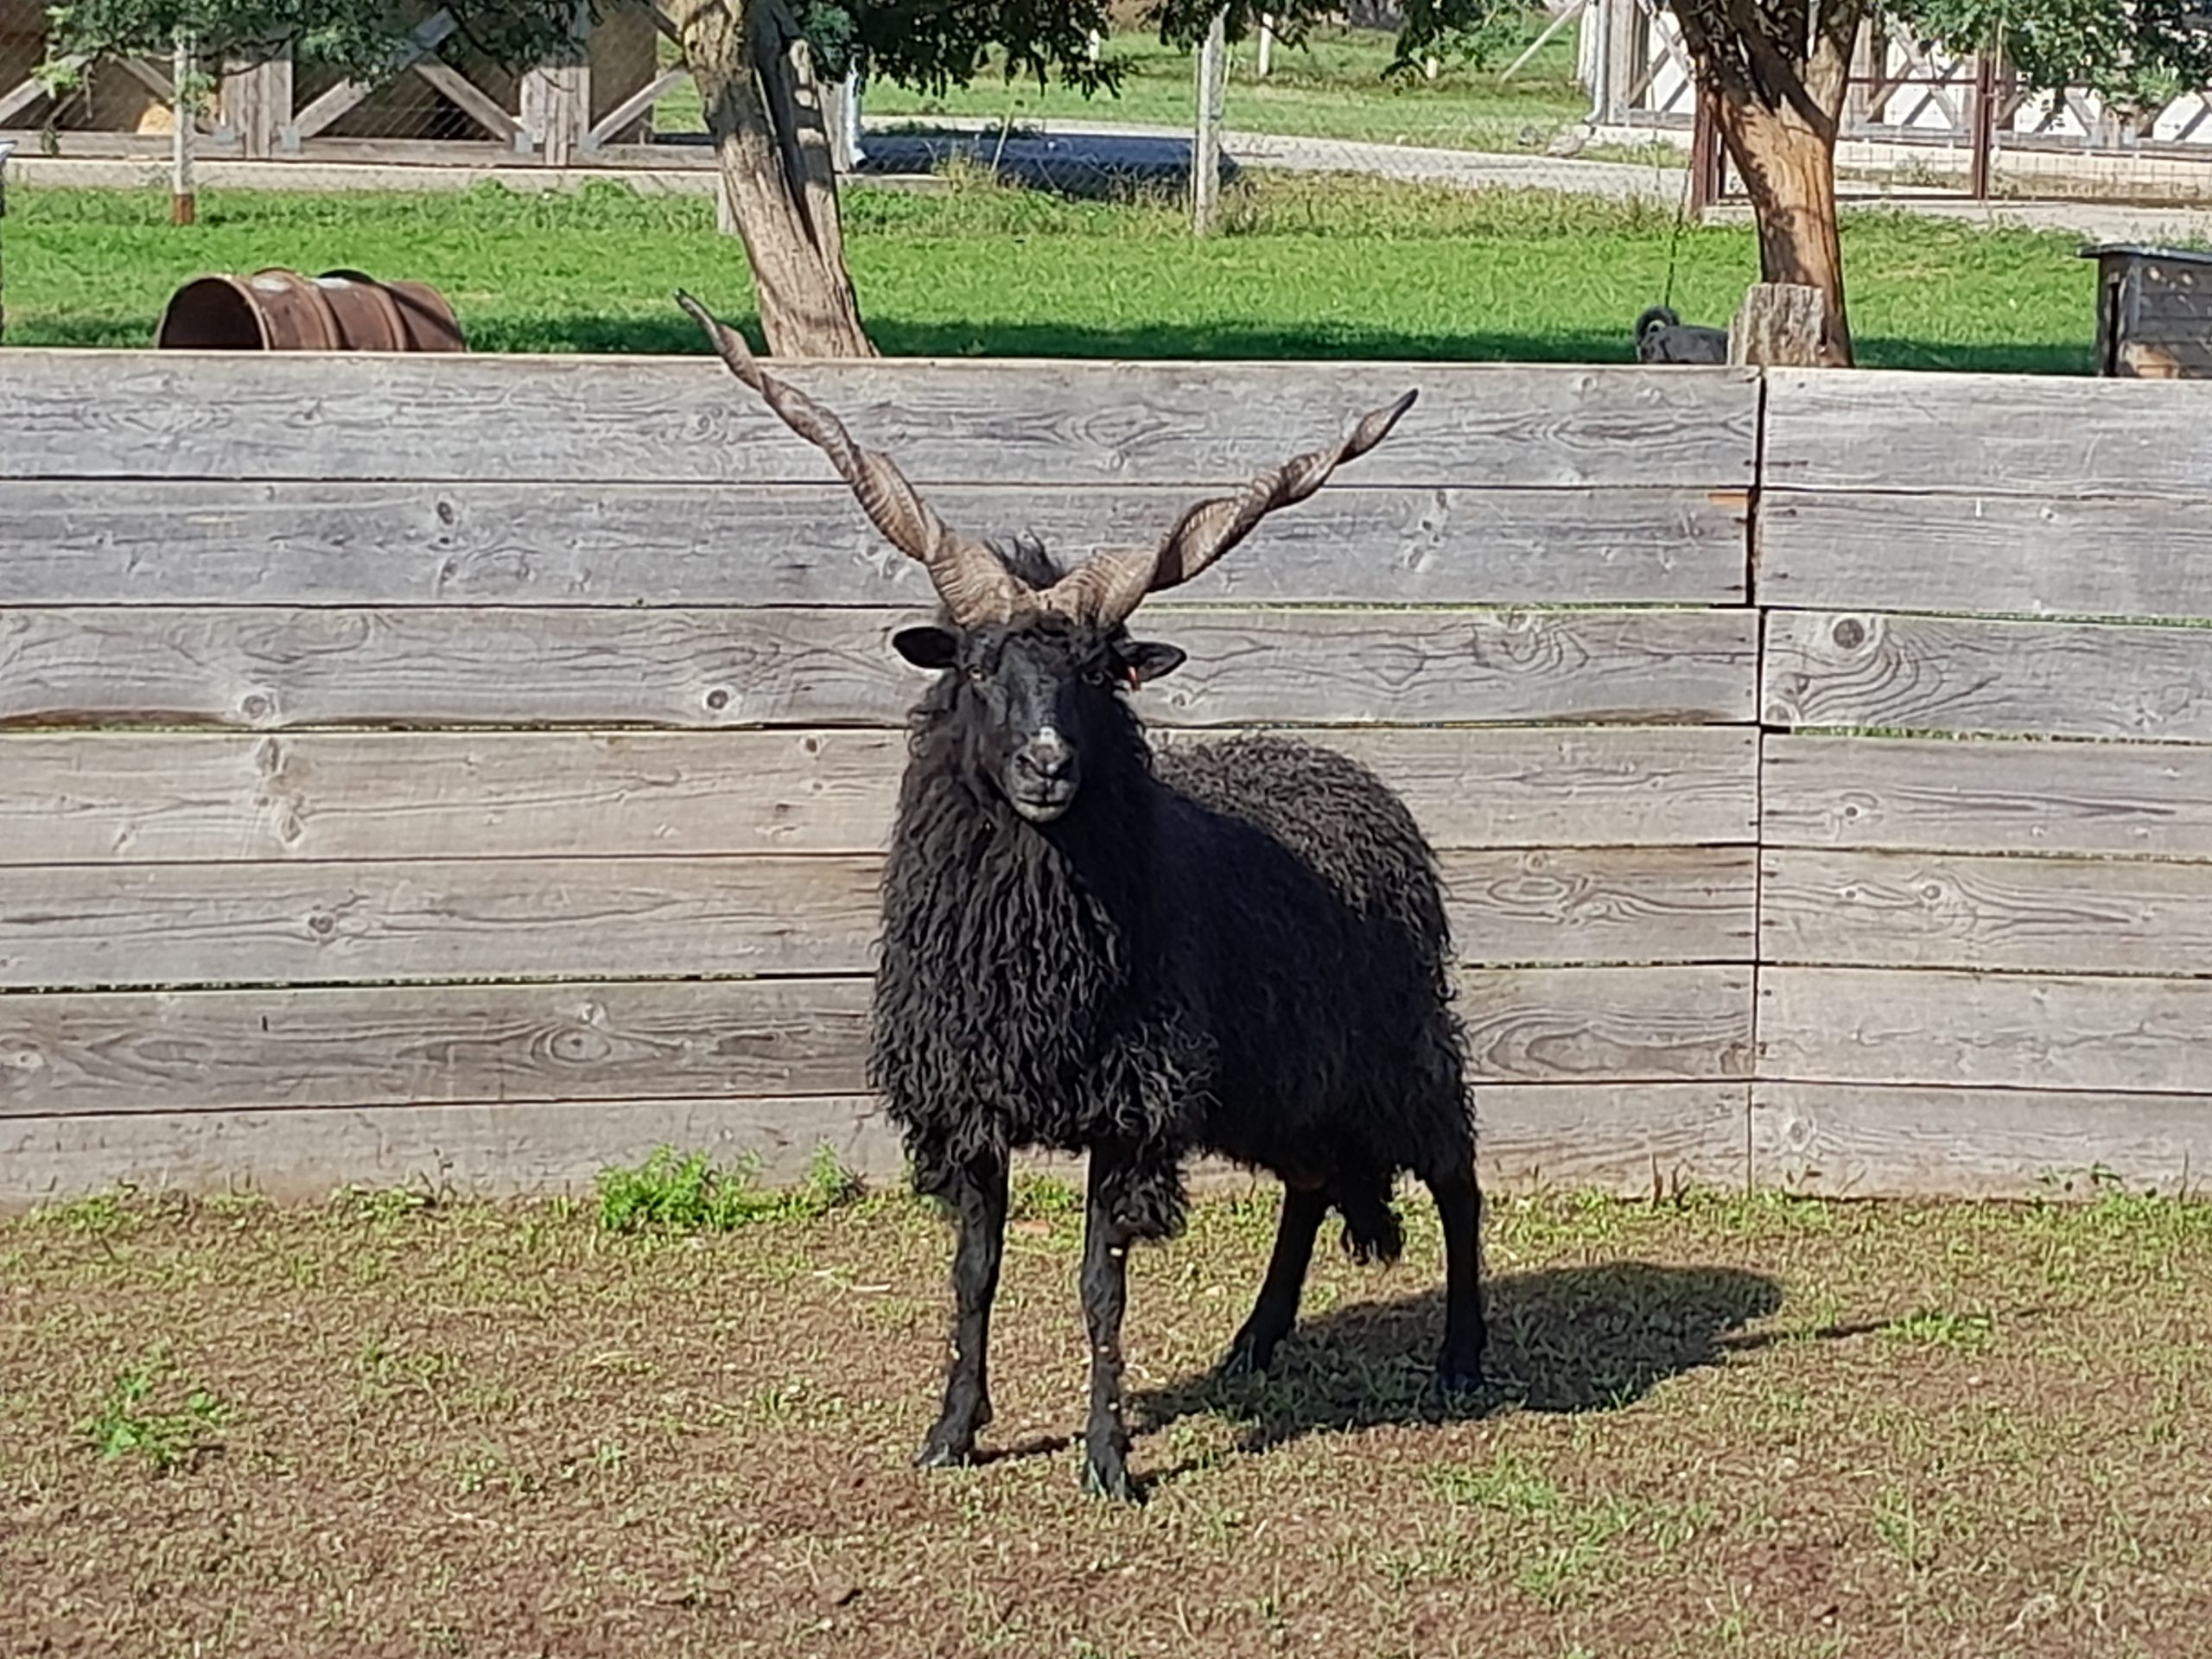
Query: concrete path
<point>1089,153</point>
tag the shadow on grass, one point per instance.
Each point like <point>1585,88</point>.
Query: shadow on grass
<point>1564,1339</point>
<point>620,335</point>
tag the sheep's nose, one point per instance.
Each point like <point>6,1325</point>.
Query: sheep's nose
<point>1047,757</point>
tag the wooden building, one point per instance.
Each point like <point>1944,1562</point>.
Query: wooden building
<point>2154,312</point>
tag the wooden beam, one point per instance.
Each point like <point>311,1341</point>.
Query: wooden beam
<point>602,132</point>
<point>481,416</point>
<point>273,668</point>
<point>127,542</point>
<point>326,109</point>
<point>473,100</point>
<point>132,798</point>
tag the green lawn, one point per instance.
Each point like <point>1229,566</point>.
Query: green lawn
<point>1312,269</point>
<point>1330,86</point>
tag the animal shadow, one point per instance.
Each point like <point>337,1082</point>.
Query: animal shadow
<point>1561,1340</point>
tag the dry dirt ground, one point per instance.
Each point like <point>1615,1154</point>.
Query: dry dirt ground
<point>1720,1426</point>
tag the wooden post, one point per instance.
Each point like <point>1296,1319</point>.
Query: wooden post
<point>1264,49</point>
<point>1985,119</point>
<point>183,206</point>
<point>1205,150</point>
<point>1624,31</point>
<point>1778,325</point>
<point>257,103</point>
<point>7,148</point>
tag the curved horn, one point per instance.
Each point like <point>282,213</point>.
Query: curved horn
<point>976,588</point>
<point>1110,585</point>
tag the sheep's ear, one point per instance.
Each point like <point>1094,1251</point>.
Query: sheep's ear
<point>1147,660</point>
<point>926,647</point>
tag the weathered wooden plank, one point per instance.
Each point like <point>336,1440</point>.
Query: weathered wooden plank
<point>76,1054</point>
<point>1544,1025</point>
<point>268,668</point>
<point>1855,1142</point>
<point>146,797</point>
<point>1924,674</point>
<point>1637,1140</point>
<point>1630,1140</point>
<point>88,925</point>
<point>2022,555</point>
<point>1940,795</point>
<point>634,420</point>
<point>2042,1031</point>
<point>479,1148</point>
<point>1997,435</point>
<point>1948,909</point>
<point>302,923</point>
<point>1603,904</point>
<point>126,541</point>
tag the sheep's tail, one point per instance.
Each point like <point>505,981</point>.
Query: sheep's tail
<point>1371,1229</point>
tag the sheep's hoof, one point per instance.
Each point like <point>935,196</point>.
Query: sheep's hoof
<point>943,1451</point>
<point>1109,1477</point>
<point>1245,1358</point>
<point>1456,1379</point>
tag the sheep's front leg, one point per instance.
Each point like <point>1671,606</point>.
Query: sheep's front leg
<point>1108,1233</point>
<point>978,1196</point>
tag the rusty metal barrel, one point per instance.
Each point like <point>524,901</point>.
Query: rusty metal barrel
<point>276,310</point>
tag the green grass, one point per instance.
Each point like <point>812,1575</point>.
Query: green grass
<point>127,1423</point>
<point>1310,268</point>
<point>1330,86</point>
<point>1751,1426</point>
<point>687,1193</point>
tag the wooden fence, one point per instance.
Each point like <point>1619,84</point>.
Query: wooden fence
<point>476,769</point>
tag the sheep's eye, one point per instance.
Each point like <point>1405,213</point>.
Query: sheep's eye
<point>977,675</point>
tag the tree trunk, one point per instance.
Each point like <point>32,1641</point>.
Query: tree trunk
<point>1789,170</point>
<point>764,110</point>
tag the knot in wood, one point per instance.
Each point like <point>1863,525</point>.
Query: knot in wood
<point>1850,633</point>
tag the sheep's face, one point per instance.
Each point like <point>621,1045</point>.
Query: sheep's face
<point>1034,695</point>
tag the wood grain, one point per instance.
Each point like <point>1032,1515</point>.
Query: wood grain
<point>1641,1140</point>
<point>274,668</point>
<point>76,1054</point>
<point>1603,904</point>
<point>2034,554</point>
<point>1948,910</point>
<point>1875,1025</point>
<point>299,1156</point>
<point>1848,1141</point>
<point>1629,1140</point>
<point>1995,435</point>
<point>122,542</point>
<point>89,925</point>
<point>158,797</point>
<point>1928,674</point>
<point>636,419</point>
<point>1938,795</point>
<point>1544,1025</point>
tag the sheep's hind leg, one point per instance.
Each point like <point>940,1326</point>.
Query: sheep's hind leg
<point>978,1195</point>
<point>1276,1310</point>
<point>1108,1233</point>
<point>1459,1208</point>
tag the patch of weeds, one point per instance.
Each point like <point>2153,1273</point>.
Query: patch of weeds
<point>126,1424</point>
<point>385,1204</point>
<point>1971,1332</point>
<point>1901,1527</point>
<point>688,1193</point>
<point>97,1212</point>
<point>1043,1198</point>
<point>1507,1483</point>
